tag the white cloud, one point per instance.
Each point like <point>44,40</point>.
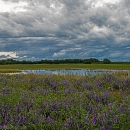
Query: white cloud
<point>13,7</point>
<point>8,55</point>
<point>58,54</point>
<point>65,52</point>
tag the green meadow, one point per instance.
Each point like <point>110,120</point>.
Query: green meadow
<point>17,67</point>
<point>64,102</point>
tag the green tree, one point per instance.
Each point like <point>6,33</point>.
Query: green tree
<point>106,61</point>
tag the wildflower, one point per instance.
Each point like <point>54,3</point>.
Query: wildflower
<point>28,106</point>
<point>94,120</point>
<point>115,120</point>
<point>99,84</point>
<point>18,109</point>
<point>49,120</point>
<point>103,128</point>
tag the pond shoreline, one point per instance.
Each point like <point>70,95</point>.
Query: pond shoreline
<point>53,69</point>
<point>75,71</point>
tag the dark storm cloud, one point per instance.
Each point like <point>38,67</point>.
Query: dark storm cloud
<point>66,29</point>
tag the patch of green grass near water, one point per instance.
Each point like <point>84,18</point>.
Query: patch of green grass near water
<point>9,70</point>
<point>18,67</point>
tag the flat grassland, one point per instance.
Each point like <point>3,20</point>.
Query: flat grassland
<point>17,67</point>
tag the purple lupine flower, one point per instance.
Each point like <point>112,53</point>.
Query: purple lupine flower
<point>120,109</point>
<point>6,118</point>
<point>53,86</point>
<point>42,117</point>
<point>20,118</point>
<point>110,109</point>
<point>103,128</point>
<point>115,119</point>
<point>44,91</point>
<point>106,114</point>
<point>66,124</point>
<point>104,120</point>
<point>110,127</point>
<point>28,106</point>
<point>71,123</point>
<point>99,84</point>
<point>18,109</point>
<point>94,120</point>
<point>2,125</point>
<point>128,91</point>
<point>108,78</point>
<point>24,117</point>
<point>49,120</point>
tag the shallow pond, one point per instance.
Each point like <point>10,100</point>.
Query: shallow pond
<point>73,71</point>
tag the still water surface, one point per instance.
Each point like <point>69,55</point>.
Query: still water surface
<point>73,71</point>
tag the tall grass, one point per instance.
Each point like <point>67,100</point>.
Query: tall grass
<point>55,102</point>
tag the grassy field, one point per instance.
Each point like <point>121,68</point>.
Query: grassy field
<point>65,66</point>
<point>64,102</point>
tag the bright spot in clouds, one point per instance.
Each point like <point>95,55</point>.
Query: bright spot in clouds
<point>100,3</point>
<point>4,55</point>
<point>12,7</point>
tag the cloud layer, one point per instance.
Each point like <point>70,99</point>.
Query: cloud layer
<point>55,29</point>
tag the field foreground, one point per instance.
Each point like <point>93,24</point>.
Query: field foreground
<point>55,102</point>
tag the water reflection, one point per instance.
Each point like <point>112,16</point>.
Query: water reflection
<point>81,72</point>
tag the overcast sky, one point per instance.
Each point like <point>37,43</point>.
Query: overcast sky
<point>61,29</point>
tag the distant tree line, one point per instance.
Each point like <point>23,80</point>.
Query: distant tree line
<point>60,61</point>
